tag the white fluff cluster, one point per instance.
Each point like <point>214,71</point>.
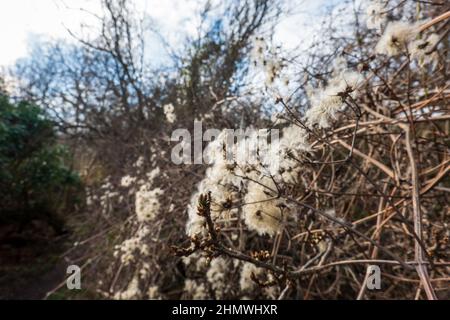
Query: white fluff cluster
<point>90,197</point>
<point>169,111</point>
<point>144,271</point>
<point>146,199</point>
<point>132,291</point>
<point>139,162</point>
<point>326,102</point>
<point>396,37</point>
<point>294,143</point>
<point>219,180</point>
<point>152,175</point>
<point>231,180</point>
<point>195,290</point>
<point>266,59</point>
<point>246,282</point>
<point>295,139</point>
<point>127,181</point>
<point>421,51</point>
<point>259,50</point>
<point>324,109</point>
<point>197,261</point>
<point>107,196</point>
<point>376,15</point>
<point>130,247</point>
<point>261,211</point>
<point>249,286</point>
<point>153,293</point>
<point>272,292</point>
<point>217,276</point>
<point>147,203</point>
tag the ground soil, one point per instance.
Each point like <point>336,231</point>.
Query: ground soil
<point>30,260</point>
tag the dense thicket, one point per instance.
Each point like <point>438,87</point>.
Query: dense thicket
<point>362,176</point>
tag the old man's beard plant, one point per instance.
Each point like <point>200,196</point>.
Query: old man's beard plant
<point>360,179</point>
<point>345,195</point>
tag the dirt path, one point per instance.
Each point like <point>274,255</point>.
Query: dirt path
<point>30,263</point>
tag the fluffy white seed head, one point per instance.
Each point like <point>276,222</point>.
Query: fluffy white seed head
<point>421,50</point>
<point>131,292</point>
<point>376,15</point>
<point>127,181</point>
<point>147,203</point>
<point>261,211</point>
<point>169,111</point>
<point>195,290</point>
<point>327,102</point>
<point>396,37</point>
<point>246,282</point>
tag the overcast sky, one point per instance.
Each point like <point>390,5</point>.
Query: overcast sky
<point>25,21</point>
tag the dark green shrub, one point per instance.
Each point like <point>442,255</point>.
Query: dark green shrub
<point>34,179</point>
